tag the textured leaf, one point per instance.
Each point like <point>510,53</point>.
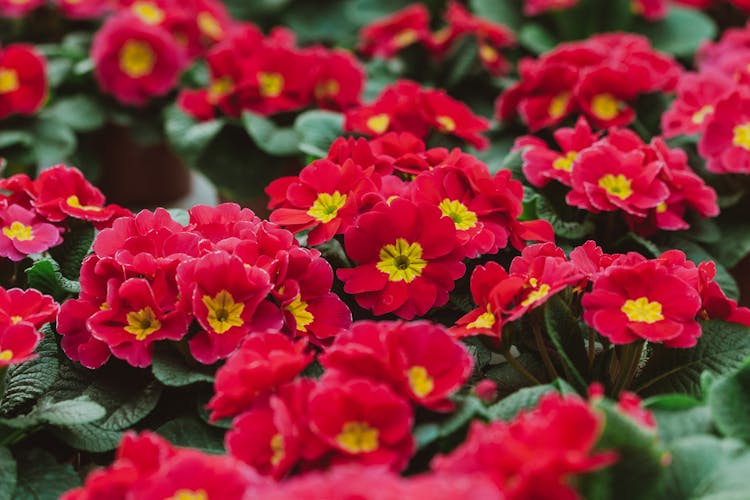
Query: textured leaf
<point>80,112</point>
<point>41,477</point>
<point>193,433</point>
<point>565,332</point>
<point>274,140</point>
<point>506,12</point>
<point>54,142</point>
<point>523,399</point>
<point>317,130</point>
<point>172,369</point>
<point>535,38</point>
<point>722,348</point>
<point>669,34</point>
<point>76,246</point>
<point>729,400</point>
<point>72,412</point>
<point>26,382</point>
<point>7,473</point>
<point>188,137</point>
<point>89,437</point>
<point>678,415</point>
<point>45,276</point>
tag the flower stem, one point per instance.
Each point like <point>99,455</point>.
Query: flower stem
<point>543,351</point>
<point>520,368</point>
<point>630,360</point>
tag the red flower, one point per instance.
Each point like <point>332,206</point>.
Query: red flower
<point>264,362</point>
<point>387,36</point>
<point>17,343</point>
<point>408,259</point>
<point>606,178</point>
<point>63,192</point>
<point>541,164</point>
<point>536,7</point>
<point>697,95</point>
<point>534,455</point>
<point>83,9</point>
<point>28,306</point>
<point>135,317</point>
<point>225,296</point>
<point>364,421</point>
<point>18,8</point>
<point>325,198</point>
<point>338,79</point>
<point>23,233</point>
<point>453,117</point>
<point>725,143</point>
<point>23,80</point>
<point>485,319</point>
<point>653,10</point>
<point>643,301</point>
<point>136,61</point>
<point>419,360</point>
<point>603,94</point>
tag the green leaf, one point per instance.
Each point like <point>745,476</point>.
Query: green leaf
<point>523,399</point>
<point>24,383</point>
<point>269,137</point>
<point>565,332</point>
<point>729,399</point>
<point>180,216</point>
<point>15,137</point>
<point>54,142</point>
<point>173,369</point>
<point>722,348</point>
<point>72,412</point>
<point>702,466</point>
<point>669,34</point>
<point>41,477</point>
<point>7,473</point>
<point>188,137</point>
<point>317,130</point>
<point>89,437</point>
<point>45,276</point>
<point>467,409</point>
<point>80,112</point>
<point>535,38</point>
<point>698,254</point>
<point>678,415</point>
<point>537,207</point>
<point>192,432</point>
<point>640,458</point>
<point>75,247</point>
<point>506,12</point>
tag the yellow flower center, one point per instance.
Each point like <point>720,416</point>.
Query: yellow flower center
<point>565,162</point>
<point>16,319</point>
<point>210,26</point>
<point>642,311</point>
<point>298,309</point>
<point>219,88</point>
<point>271,84</point>
<point>137,59</point>
<point>661,208</point>
<point>406,37</point>
<point>74,202</point>
<point>6,355</point>
<point>742,136</point>
<point>185,494</point>
<point>358,437</point>
<point>488,53</point>
<point>605,106</point>
<point>142,323</point>
<point>485,320</point>
<point>8,81</point>
<point>18,231</point>
<point>326,206</point>
<point>420,381</point>
<point>700,115</point>
<point>277,449</point>
<point>148,12</point>
<point>616,185</point>
<point>536,295</point>
<point>401,261</point>
<point>459,214</point>
<point>559,105</point>
<point>327,88</point>
<point>223,312</point>
<point>446,123</point>
<point>379,123</point>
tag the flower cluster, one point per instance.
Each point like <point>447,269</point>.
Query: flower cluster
<point>407,237</point>
<point>599,77</point>
<point>714,102</point>
<point>651,184</point>
<point>411,25</point>
<point>33,214</point>
<point>407,107</point>
<point>22,313</point>
<point>626,297</point>
<point>227,273</point>
<point>535,455</point>
<point>23,80</point>
<point>268,75</point>
<point>72,9</point>
<point>141,50</point>
<point>360,411</point>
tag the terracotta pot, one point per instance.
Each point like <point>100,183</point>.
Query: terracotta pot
<point>136,175</point>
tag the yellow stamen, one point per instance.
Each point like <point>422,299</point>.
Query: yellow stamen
<point>210,26</point>
<point>137,59</point>
<point>401,261</point>
<point>326,206</point>
<point>148,12</point>
<point>742,136</point>
<point>271,84</point>
<point>488,53</point>
<point>223,312</point>
<point>298,309</point>
<point>605,106</point>
<point>18,231</point>
<point>379,123</point>
<point>642,311</point>
<point>358,437</point>
<point>700,116</point>
<point>558,106</point>
<point>536,295</point>
<point>565,162</point>
<point>616,185</point>
<point>142,323</point>
<point>185,494</point>
<point>446,123</point>
<point>277,449</point>
<point>6,355</point>
<point>74,202</point>
<point>8,81</point>
<point>485,320</point>
<point>327,88</point>
<point>420,381</point>
<point>16,319</point>
<point>459,213</point>
<point>219,88</point>
<point>406,37</point>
